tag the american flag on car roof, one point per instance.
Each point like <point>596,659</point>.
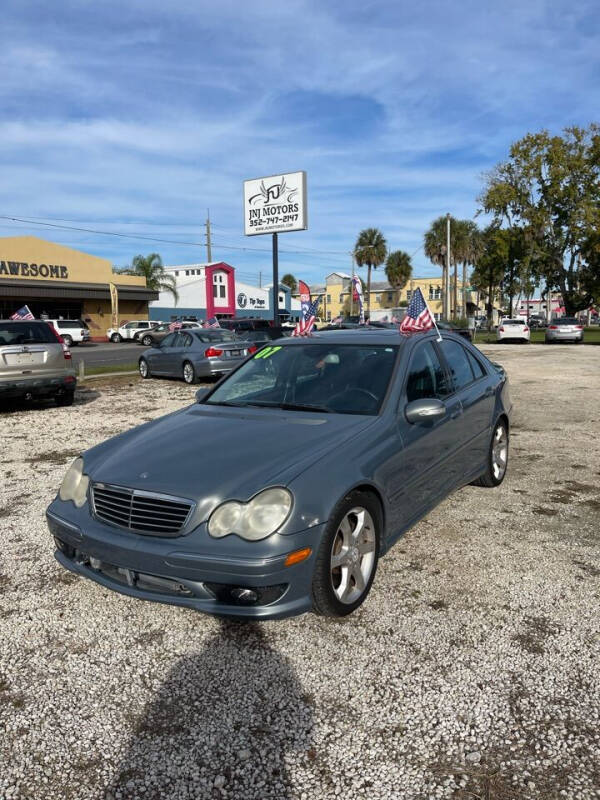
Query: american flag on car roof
<point>418,316</point>
<point>23,313</point>
<point>213,322</point>
<point>305,326</point>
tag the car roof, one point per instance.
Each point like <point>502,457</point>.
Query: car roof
<point>368,336</point>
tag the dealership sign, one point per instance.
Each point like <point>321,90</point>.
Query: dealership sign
<point>21,268</point>
<point>276,204</point>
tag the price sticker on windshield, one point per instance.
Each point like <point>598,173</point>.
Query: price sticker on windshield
<point>267,352</point>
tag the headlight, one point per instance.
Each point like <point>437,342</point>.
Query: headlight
<point>75,484</point>
<point>257,519</point>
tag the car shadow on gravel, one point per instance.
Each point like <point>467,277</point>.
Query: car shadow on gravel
<point>221,725</point>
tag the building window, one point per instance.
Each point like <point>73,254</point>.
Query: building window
<point>329,316</point>
<point>378,298</point>
<point>342,298</point>
<point>390,297</point>
<point>408,294</point>
<point>435,293</point>
<point>329,298</point>
<point>176,272</point>
<point>221,291</point>
<point>187,272</point>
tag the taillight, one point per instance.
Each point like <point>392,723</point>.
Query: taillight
<point>553,327</point>
<point>66,351</point>
<point>252,349</point>
<point>579,327</point>
<point>525,329</point>
<point>211,352</point>
<point>501,330</point>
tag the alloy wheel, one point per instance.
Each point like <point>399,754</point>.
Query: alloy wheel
<point>353,555</point>
<point>188,372</point>
<point>143,368</point>
<point>499,452</point>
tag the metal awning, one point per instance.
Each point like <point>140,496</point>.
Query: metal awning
<point>73,291</point>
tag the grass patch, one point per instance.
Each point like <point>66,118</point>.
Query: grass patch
<point>103,369</point>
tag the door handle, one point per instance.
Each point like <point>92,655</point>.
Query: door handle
<point>456,413</point>
<point>488,392</point>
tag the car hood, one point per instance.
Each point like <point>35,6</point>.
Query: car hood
<point>214,454</point>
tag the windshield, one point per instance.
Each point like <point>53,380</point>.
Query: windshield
<point>343,379</point>
<point>26,333</point>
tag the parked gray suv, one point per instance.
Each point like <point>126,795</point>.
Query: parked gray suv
<point>34,362</point>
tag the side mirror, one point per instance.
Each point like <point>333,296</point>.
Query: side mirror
<point>425,411</point>
<point>201,394</point>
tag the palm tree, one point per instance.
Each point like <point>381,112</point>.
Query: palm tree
<point>290,281</point>
<point>398,269</point>
<point>464,249</point>
<point>157,278</point>
<point>370,250</point>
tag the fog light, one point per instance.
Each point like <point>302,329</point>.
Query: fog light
<point>244,596</point>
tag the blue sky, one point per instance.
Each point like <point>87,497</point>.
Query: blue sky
<point>135,117</point>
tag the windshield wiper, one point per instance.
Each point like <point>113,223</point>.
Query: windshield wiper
<point>303,407</point>
<point>268,404</point>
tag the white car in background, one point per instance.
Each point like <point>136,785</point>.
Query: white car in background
<point>513,330</point>
<point>129,329</point>
<point>73,331</point>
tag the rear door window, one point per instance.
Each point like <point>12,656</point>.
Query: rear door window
<point>426,376</point>
<point>476,366</point>
<point>458,364</point>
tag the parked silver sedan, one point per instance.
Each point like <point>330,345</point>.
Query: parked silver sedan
<point>565,329</point>
<point>194,354</point>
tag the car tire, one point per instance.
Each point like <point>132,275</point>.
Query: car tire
<point>497,458</point>
<point>144,368</point>
<point>116,338</point>
<point>68,340</point>
<point>346,561</point>
<point>65,399</point>
<point>189,373</point>
<point>147,341</point>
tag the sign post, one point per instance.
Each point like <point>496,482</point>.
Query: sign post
<point>275,204</point>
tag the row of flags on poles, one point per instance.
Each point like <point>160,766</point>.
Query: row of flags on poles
<point>418,317</point>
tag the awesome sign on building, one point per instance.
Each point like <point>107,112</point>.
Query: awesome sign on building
<point>24,270</point>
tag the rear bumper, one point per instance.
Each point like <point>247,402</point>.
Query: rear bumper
<point>184,572</point>
<point>39,386</point>
<point>217,366</point>
<point>551,336</point>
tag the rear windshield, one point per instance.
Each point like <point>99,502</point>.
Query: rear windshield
<point>26,333</point>
<point>566,321</point>
<point>512,322</point>
<point>69,323</point>
<point>213,336</point>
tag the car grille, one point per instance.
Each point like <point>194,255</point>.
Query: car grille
<point>140,511</point>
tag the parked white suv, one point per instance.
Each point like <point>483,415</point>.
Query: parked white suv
<point>73,331</point>
<point>129,329</point>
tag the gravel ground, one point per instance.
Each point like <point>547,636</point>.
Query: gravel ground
<point>471,671</point>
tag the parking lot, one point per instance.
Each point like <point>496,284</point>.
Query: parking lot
<point>471,670</point>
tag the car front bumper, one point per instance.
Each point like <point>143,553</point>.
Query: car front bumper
<point>195,571</point>
<point>39,386</point>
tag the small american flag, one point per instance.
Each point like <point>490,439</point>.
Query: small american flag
<point>175,326</point>
<point>337,320</point>
<point>23,313</point>
<point>213,322</point>
<point>305,326</point>
<point>418,316</point>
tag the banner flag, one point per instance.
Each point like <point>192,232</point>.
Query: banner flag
<point>304,290</point>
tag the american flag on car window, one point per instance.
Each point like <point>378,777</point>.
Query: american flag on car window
<point>175,326</point>
<point>23,313</point>
<point>213,322</point>
<point>305,326</point>
<point>418,316</point>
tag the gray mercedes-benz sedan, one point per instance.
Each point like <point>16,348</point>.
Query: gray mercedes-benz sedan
<point>281,487</point>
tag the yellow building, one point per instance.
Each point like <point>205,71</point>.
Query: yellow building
<point>58,281</point>
<point>335,294</point>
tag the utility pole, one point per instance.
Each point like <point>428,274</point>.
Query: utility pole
<point>260,279</point>
<point>352,286</point>
<point>208,242</point>
<point>447,287</point>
